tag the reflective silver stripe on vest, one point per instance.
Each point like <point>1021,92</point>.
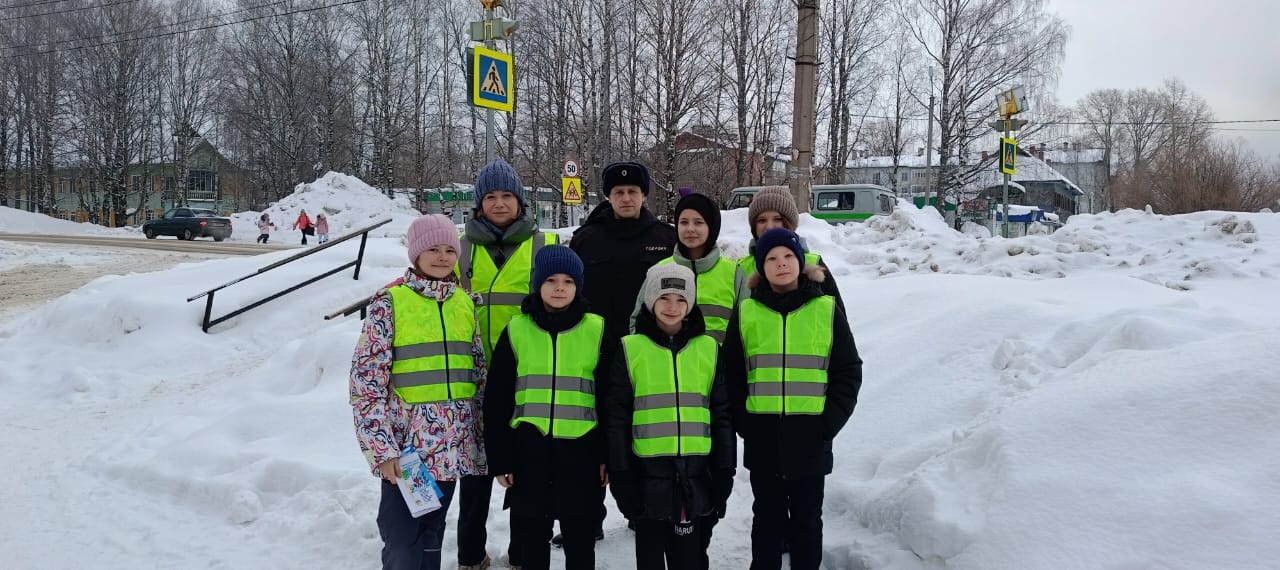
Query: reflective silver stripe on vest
<point>425,349</point>
<point>562,412</point>
<point>427,377</point>
<point>660,401</point>
<point>808,389</point>
<point>796,361</point>
<point>718,335</point>
<point>562,383</point>
<point>464,265</point>
<point>539,240</point>
<point>716,311</point>
<point>671,429</point>
<point>512,299</point>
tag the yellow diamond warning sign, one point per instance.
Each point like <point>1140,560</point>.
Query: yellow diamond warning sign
<point>571,190</point>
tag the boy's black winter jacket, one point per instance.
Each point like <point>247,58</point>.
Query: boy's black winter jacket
<point>793,446</point>
<point>553,477</point>
<point>657,487</point>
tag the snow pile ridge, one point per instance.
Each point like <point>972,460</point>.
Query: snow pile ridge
<point>348,202</point>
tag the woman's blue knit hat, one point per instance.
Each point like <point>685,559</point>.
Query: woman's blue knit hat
<point>553,259</point>
<point>497,175</point>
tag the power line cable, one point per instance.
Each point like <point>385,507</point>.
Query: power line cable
<point>148,28</point>
<point>55,12</point>
<point>197,29</point>
<point>28,4</point>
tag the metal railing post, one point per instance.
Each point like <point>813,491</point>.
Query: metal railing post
<point>364,237</point>
<point>208,310</point>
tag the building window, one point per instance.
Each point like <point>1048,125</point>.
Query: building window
<point>201,186</point>
<point>135,182</point>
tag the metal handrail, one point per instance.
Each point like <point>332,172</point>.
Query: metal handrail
<point>208,306</point>
<point>362,305</point>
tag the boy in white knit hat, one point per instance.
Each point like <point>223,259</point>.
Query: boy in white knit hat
<point>672,449</point>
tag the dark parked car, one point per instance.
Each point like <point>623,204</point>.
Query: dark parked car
<point>189,224</point>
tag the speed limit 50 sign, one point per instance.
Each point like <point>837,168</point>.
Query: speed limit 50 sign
<point>570,169</point>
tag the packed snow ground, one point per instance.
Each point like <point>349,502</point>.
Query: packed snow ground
<point>1102,397</point>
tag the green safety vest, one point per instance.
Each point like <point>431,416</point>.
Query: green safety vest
<point>431,358</point>
<point>672,391</point>
<point>501,288</point>
<point>716,296</point>
<point>555,383</point>
<point>787,356</point>
<point>748,263</point>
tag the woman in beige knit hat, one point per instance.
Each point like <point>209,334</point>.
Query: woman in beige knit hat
<point>774,207</point>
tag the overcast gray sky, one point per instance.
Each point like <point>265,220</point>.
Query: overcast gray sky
<point>1227,51</point>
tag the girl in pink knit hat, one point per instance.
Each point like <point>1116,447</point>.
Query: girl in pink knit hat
<point>417,388</point>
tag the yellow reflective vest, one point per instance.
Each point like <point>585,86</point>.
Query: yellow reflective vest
<point>671,413</point>
<point>787,356</point>
<point>501,289</point>
<point>431,358</point>
<point>555,375</point>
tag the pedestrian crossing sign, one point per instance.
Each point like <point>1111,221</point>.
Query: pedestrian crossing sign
<point>1008,156</point>
<point>571,190</point>
<point>491,74</point>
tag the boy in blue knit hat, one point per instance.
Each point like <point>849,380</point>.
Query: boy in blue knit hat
<point>793,372</point>
<point>542,429</point>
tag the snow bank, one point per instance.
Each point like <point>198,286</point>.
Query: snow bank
<point>347,201</point>
<point>15,221</point>
<point>1173,251</point>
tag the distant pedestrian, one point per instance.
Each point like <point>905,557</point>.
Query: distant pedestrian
<point>264,227</point>
<point>303,224</point>
<point>322,228</point>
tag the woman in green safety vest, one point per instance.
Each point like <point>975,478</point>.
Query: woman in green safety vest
<point>417,379</point>
<point>793,373</point>
<point>542,425</point>
<point>672,450</point>
<point>775,207</point>
<point>721,283</point>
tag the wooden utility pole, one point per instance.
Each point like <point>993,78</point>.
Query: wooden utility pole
<point>806,98</point>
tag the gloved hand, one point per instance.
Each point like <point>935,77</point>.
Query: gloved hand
<point>722,486</point>
<point>626,491</point>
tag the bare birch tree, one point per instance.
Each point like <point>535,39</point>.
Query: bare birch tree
<point>976,49</point>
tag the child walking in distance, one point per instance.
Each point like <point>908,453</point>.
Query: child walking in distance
<point>542,428</point>
<point>418,379</point>
<point>793,373</point>
<point>264,228</point>
<point>672,450</point>
<point>322,228</point>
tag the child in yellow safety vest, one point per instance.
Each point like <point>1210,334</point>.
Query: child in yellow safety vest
<point>543,429</point>
<point>721,283</point>
<point>672,450</point>
<point>793,373</point>
<point>418,379</point>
